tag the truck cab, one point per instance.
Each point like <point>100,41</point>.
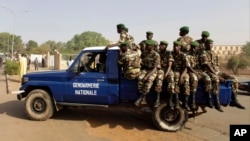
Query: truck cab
<point>95,79</point>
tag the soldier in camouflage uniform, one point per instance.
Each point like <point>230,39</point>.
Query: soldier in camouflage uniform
<point>224,76</point>
<point>208,60</point>
<point>129,60</point>
<point>193,70</point>
<point>149,36</point>
<point>166,64</point>
<point>124,37</point>
<point>204,37</point>
<point>180,77</point>
<point>149,65</point>
<point>185,39</point>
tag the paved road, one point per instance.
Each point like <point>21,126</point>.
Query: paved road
<point>111,125</point>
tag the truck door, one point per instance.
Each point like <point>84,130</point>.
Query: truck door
<point>87,82</point>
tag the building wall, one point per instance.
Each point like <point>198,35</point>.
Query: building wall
<point>224,52</point>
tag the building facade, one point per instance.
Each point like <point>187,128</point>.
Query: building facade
<point>224,52</point>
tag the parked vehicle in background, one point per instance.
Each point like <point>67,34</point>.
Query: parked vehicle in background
<point>244,86</point>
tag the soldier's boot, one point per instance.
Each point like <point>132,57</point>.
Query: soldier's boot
<point>185,102</point>
<point>209,100</point>
<point>157,102</point>
<point>144,101</point>
<point>235,102</point>
<point>177,102</point>
<point>170,104</point>
<point>217,104</point>
<point>139,100</point>
<point>193,104</point>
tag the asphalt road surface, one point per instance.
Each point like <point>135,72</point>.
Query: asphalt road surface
<point>103,124</point>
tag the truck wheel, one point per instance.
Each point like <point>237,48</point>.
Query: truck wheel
<point>39,105</point>
<point>169,119</point>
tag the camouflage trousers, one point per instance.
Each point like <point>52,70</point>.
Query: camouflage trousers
<point>173,84</point>
<point>145,86</point>
<point>235,83</point>
<point>215,83</point>
<point>204,77</point>
<point>159,80</point>
<point>193,78</point>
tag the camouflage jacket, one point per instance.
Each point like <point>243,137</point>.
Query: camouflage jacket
<point>150,60</point>
<point>193,61</point>
<point>180,62</point>
<point>129,60</point>
<point>185,43</point>
<point>166,57</point>
<point>210,58</point>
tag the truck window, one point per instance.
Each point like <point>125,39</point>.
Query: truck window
<point>92,62</point>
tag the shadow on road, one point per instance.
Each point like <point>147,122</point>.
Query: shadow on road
<point>14,109</point>
<point>97,117</point>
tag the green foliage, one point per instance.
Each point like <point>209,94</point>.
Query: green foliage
<point>31,45</point>
<point>246,49</point>
<point>86,39</point>
<point>12,67</point>
<point>235,63</point>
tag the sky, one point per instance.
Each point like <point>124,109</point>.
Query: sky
<point>59,20</point>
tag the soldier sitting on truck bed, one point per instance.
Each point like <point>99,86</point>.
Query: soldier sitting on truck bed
<point>149,65</point>
<point>129,60</point>
<point>224,76</point>
<point>208,64</point>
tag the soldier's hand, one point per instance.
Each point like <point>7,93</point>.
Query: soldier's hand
<point>181,81</point>
<point>145,78</point>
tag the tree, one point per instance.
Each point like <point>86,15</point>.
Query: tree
<point>5,42</point>
<point>86,39</point>
<point>246,49</point>
<point>30,45</point>
<point>235,63</point>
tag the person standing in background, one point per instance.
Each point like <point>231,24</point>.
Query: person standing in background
<point>36,63</point>
<point>22,66</point>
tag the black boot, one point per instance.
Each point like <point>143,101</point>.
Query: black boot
<point>235,102</point>
<point>209,100</point>
<point>193,104</point>
<point>157,102</point>
<point>177,102</point>
<point>185,102</point>
<point>217,104</point>
<point>170,104</point>
<point>140,100</point>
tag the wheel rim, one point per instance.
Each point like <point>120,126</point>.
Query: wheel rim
<point>38,105</point>
<point>169,115</point>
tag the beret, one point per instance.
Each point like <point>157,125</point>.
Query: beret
<point>164,42</point>
<point>205,33</point>
<point>209,41</point>
<point>150,42</point>
<point>194,43</point>
<point>126,29</point>
<point>149,32</point>
<point>120,25</point>
<point>124,43</point>
<point>184,28</point>
<point>177,43</point>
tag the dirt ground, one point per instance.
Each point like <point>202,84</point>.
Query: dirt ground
<point>77,124</point>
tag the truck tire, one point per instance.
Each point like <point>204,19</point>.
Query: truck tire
<point>169,119</point>
<point>39,105</point>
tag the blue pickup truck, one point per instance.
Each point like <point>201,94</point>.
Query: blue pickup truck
<point>95,79</point>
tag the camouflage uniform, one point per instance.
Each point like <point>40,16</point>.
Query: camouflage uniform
<point>179,65</point>
<point>166,57</point>
<point>130,61</point>
<point>150,60</point>
<point>208,57</point>
<point>185,43</point>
